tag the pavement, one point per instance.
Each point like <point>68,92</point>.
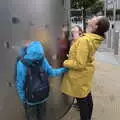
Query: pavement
<point>108,58</point>
<point>107,55</point>
<point>106,89</point>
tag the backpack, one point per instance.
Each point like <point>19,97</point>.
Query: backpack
<point>36,86</point>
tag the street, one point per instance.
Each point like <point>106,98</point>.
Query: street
<point>106,93</point>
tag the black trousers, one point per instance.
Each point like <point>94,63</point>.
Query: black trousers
<point>86,107</point>
<point>36,112</point>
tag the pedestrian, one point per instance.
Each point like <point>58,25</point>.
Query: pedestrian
<point>63,45</point>
<point>34,63</point>
<point>77,82</point>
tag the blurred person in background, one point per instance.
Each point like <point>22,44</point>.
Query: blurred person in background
<point>63,45</point>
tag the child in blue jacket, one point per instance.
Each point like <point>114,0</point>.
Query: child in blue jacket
<point>34,52</point>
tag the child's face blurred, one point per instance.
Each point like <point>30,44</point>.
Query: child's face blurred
<point>76,32</point>
<point>26,43</point>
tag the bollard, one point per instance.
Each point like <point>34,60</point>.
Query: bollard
<point>113,39</point>
<point>105,40</point>
<point>113,35</point>
<point>109,39</point>
<point>116,43</point>
<point>106,37</point>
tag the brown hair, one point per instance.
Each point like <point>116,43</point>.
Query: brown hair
<point>103,25</point>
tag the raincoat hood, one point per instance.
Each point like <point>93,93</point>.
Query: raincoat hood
<point>94,36</point>
<point>34,51</point>
<point>94,40</point>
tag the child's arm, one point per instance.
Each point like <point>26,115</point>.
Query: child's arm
<point>52,72</point>
<point>20,82</point>
<point>23,51</point>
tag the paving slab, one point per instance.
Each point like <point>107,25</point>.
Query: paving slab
<point>106,93</point>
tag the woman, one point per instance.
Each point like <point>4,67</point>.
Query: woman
<point>77,82</point>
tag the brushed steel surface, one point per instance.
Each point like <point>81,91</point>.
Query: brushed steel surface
<point>34,16</point>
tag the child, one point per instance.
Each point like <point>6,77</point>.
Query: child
<point>33,52</point>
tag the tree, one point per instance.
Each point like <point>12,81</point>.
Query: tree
<point>82,3</point>
<point>85,4</point>
<point>97,7</point>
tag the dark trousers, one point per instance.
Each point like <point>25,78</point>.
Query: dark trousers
<point>86,107</point>
<point>36,112</point>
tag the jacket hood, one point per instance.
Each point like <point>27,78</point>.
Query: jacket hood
<point>34,51</point>
<point>94,40</point>
<point>94,36</point>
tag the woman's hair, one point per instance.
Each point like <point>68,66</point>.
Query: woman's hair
<point>103,25</point>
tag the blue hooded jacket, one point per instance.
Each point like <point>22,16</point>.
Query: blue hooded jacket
<point>34,52</point>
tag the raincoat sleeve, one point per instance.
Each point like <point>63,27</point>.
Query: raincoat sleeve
<point>52,72</point>
<point>20,80</point>
<point>79,62</point>
<point>23,51</point>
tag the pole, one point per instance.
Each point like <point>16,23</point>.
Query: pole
<point>114,11</point>
<point>114,21</point>
<point>116,43</point>
<point>84,14</point>
<point>84,19</point>
<point>109,39</point>
<point>105,14</point>
<point>105,7</point>
<point>69,18</point>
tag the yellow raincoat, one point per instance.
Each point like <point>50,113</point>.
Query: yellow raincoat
<point>77,81</point>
